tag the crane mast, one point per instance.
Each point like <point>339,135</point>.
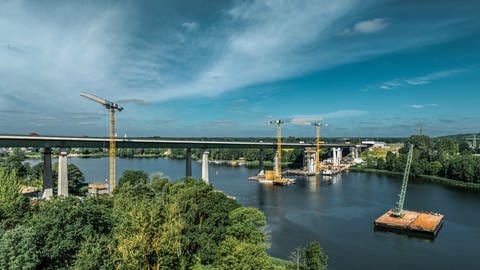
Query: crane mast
<point>112,151</point>
<point>112,108</point>
<point>398,210</point>
<point>279,149</point>
<point>317,152</point>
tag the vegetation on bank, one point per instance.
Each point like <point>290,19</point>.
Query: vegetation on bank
<point>440,160</point>
<point>147,224</point>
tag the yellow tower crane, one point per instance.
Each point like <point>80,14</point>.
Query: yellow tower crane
<point>112,107</point>
<point>278,123</point>
<point>317,153</point>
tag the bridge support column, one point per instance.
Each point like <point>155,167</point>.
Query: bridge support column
<point>309,161</point>
<point>47,173</point>
<point>188,163</point>
<point>62,188</point>
<point>337,156</point>
<point>261,167</point>
<point>275,163</point>
<point>354,151</point>
<point>205,166</point>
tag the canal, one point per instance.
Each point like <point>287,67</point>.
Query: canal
<point>339,214</point>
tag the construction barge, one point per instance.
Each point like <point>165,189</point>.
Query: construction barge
<point>411,222</point>
<point>415,223</point>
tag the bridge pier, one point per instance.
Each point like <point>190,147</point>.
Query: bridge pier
<point>354,151</point>
<point>275,163</point>
<point>47,173</point>
<point>309,160</point>
<point>337,156</point>
<point>205,166</point>
<point>62,188</point>
<point>188,163</point>
<point>261,166</point>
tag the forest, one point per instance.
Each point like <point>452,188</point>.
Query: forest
<point>442,157</point>
<point>148,223</point>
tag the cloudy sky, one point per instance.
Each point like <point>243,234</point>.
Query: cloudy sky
<point>225,68</point>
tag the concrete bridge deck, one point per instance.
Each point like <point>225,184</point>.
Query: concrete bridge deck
<point>103,142</point>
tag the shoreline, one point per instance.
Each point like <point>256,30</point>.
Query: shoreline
<point>428,178</point>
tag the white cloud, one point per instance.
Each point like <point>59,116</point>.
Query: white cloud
<point>309,119</point>
<point>421,80</point>
<point>190,26</point>
<point>422,106</point>
<point>370,26</point>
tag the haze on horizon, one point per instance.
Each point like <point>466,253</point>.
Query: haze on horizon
<point>183,68</point>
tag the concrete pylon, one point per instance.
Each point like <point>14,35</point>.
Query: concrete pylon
<point>62,188</point>
<point>309,160</point>
<point>47,173</point>
<point>275,163</point>
<point>188,163</point>
<point>261,167</point>
<point>205,166</point>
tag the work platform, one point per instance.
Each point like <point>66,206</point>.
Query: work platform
<point>416,223</point>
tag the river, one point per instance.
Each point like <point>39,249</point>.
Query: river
<point>339,214</point>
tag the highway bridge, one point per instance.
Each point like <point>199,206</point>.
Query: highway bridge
<point>46,143</point>
<point>103,142</point>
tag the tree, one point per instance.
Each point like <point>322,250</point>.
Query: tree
<point>133,177</point>
<point>390,161</point>
<point>313,258</point>
<point>245,246</point>
<point>96,253</point>
<point>18,250</point>
<point>247,224</point>
<point>13,205</point>
<point>61,226</point>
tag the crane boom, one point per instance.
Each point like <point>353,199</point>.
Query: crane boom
<point>398,210</point>
<point>108,104</point>
<point>94,98</point>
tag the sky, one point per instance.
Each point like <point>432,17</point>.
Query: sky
<point>367,68</point>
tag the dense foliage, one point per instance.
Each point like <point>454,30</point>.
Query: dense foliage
<point>441,157</point>
<point>154,225</point>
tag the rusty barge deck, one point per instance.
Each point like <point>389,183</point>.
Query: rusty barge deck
<point>417,223</point>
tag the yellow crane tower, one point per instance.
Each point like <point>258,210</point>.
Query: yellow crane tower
<point>278,123</point>
<point>112,107</point>
<point>317,153</point>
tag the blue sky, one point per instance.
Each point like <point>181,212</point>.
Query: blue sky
<point>225,68</point>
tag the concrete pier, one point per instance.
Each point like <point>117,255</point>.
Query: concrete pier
<point>336,156</point>
<point>275,163</point>
<point>188,162</point>
<point>62,188</point>
<point>309,161</point>
<point>47,173</point>
<point>205,166</point>
<point>261,166</point>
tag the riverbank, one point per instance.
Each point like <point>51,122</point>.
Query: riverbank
<point>427,178</point>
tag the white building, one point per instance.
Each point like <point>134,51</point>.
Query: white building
<point>375,144</point>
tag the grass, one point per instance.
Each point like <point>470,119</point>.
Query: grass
<point>280,263</point>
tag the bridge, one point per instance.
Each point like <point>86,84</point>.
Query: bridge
<point>46,143</point>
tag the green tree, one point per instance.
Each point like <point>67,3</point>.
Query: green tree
<point>133,177</point>
<point>61,226</point>
<point>96,253</point>
<point>313,258</point>
<point>13,204</point>
<point>18,249</point>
